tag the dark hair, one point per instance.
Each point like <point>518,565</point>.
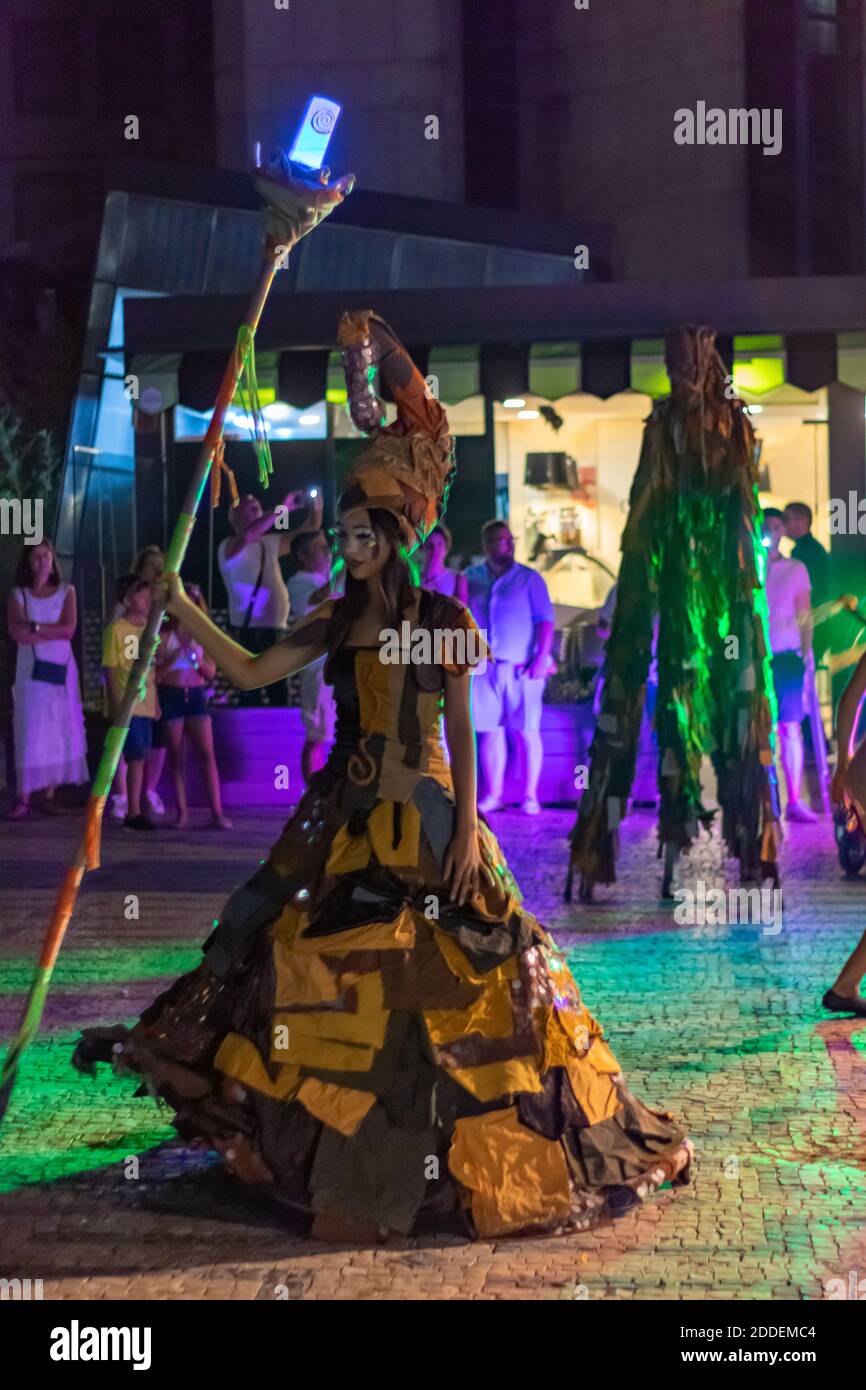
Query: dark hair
<point>125,585</point>
<point>802,511</point>
<point>396,577</point>
<point>440,529</point>
<point>23,574</point>
<point>298,542</point>
<point>494,525</point>
<point>138,562</point>
<point>774,511</point>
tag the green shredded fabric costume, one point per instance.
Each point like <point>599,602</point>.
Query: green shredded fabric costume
<point>692,556</point>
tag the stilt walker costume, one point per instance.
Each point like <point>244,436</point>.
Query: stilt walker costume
<point>692,560</point>
<point>354,1042</point>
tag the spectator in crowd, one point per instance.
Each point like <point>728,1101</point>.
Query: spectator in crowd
<point>789,601</point>
<point>511,605</point>
<point>119,652</point>
<point>312,555</point>
<point>149,564</point>
<point>50,747</point>
<point>811,553</point>
<point>249,563</point>
<point>435,573</point>
<point>183,674</point>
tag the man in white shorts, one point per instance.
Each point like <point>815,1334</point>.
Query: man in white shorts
<point>511,605</point>
<point>311,554</point>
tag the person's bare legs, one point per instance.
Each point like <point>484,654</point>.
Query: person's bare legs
<point>134,786</point>
<point>201,733</point>
<point>492,751</point>
<point>155,764</point>
<point>533,754</point>
<point>791,748</point>
<point>174,734</point>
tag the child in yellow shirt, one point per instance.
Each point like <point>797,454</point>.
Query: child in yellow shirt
<point>119,652</point>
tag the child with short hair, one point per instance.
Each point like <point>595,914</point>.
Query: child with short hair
<point>119,652</point>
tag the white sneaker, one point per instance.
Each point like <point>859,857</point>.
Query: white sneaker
<point>156,803</point>
<point>796,811</point>
<point>531,807</point>
<point>118,808</point>
<point>489,804</point>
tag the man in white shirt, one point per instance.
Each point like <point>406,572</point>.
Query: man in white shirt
<point>789,596</point>
<point>511,605</point>
<point>249,563</point>
<point>311,553</point>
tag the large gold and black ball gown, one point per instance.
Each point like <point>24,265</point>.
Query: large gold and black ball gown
<point>364,1048</point>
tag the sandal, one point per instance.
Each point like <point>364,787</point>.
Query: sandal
<point>20,811</point>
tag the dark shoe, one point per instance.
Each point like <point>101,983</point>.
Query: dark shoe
<point>138,823</point>
<point>47,807</point>
<point>838,1005</point>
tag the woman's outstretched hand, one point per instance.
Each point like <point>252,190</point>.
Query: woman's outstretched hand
<point>463,868</point>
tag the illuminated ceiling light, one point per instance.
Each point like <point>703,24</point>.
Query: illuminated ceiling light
<point>309,419</point>
<point>277,410</point>
<point>755,409</point>
<point>514,403</point>
<point>527,415</point>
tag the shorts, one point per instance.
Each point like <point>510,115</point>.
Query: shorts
<point>789,674</point>
<point>318,710</point>
<point>139,738</point>
<point>503,700</point>
<point>182,702</point>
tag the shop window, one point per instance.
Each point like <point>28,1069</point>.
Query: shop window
<point>45,68</point>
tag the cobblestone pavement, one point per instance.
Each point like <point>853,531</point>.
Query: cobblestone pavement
<point>720,1024</point>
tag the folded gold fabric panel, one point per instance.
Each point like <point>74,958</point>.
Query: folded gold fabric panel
<point>516,1179</point>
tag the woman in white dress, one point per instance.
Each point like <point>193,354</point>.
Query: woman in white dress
<point>435,574</point>
<point>50,745</point>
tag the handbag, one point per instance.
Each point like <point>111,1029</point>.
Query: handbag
<point>49,672</point>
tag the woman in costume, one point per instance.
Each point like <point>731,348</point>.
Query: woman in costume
<point>379,1034</point>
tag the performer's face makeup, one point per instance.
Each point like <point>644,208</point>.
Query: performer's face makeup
<point>362,548</point>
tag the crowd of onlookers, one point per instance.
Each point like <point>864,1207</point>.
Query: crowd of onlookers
<point>508,600</point>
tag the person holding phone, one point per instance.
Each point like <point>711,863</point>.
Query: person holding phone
<point>249,562</point>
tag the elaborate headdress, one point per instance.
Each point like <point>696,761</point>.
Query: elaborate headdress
<point>405,468</point>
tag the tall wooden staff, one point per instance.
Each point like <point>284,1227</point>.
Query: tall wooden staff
<point>295,203</point>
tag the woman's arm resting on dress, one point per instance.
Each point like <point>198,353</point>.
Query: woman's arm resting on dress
<point>19,623</point>
<point>463,868</point>
<point>243,669</point>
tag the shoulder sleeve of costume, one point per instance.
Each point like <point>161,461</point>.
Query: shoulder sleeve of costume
<point>464,645</point>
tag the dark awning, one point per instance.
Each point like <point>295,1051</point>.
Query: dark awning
<point>604,319</point>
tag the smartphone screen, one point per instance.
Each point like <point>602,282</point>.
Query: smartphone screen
<point>314,133</point>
